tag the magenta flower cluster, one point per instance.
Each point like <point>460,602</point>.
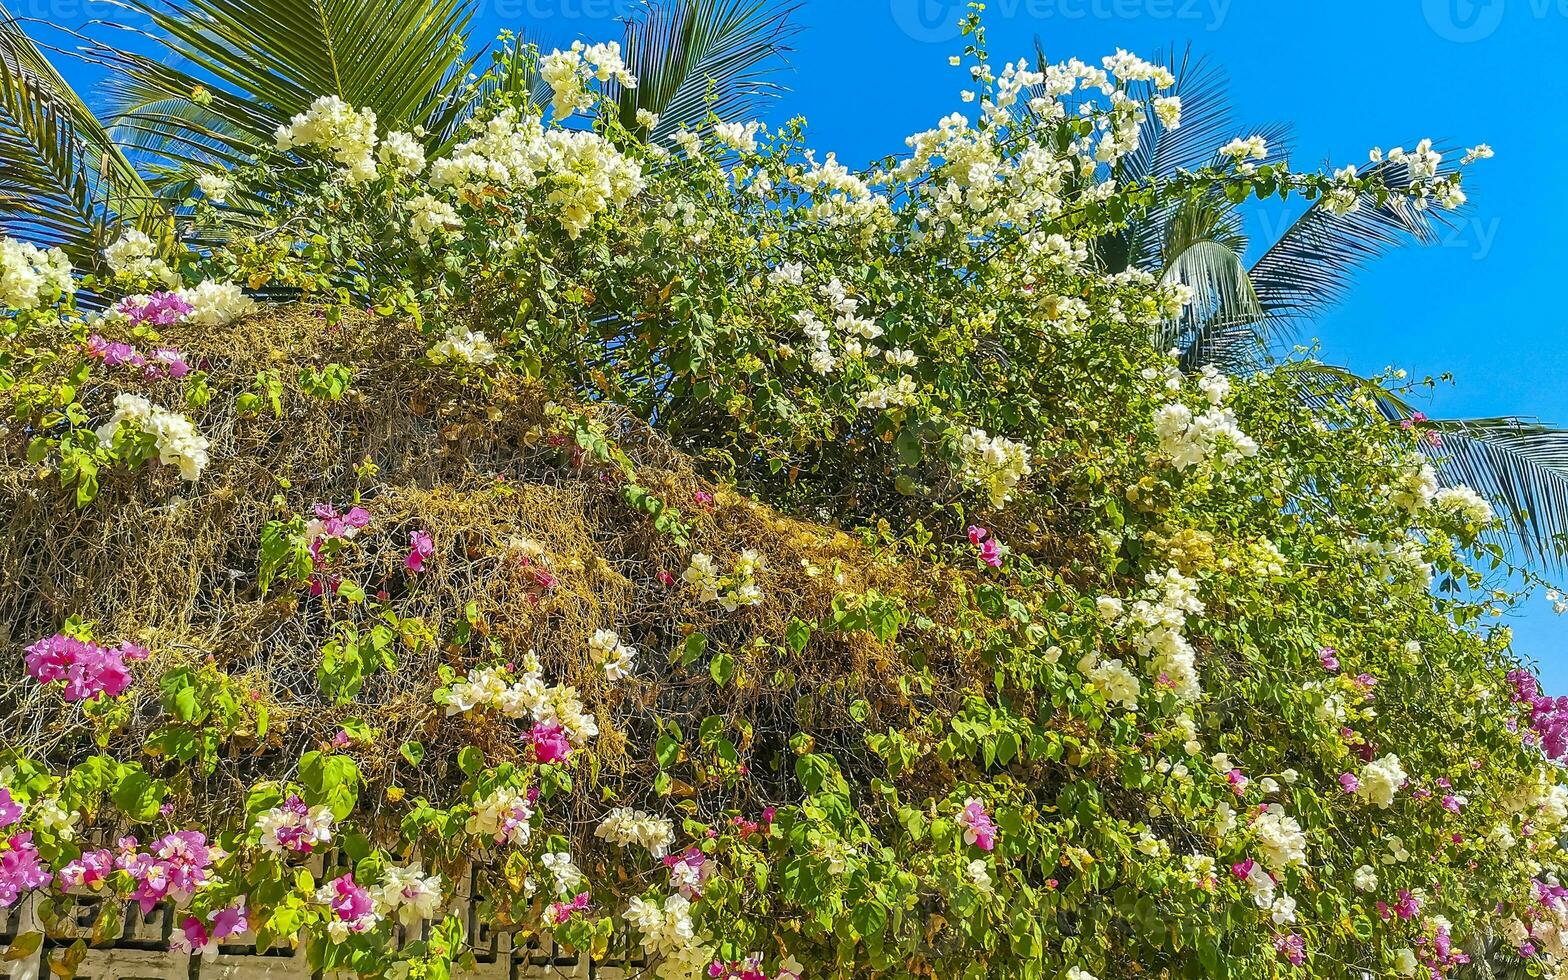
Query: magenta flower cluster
<point>420,547</point>
<point>160,309</point>
<point>329,526</point>
<point>1548,717</point>
<point>165,362</point>
<point>197,938</point>
<point>173,866</point>
<point>20,869</point>
<point>548,743</point>
<point>561,912</point>
<point>351,903</point>
<point>979,830</point>
<point>87,670</point>
<point>989,548</point>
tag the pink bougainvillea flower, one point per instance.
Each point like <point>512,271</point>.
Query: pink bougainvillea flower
<point>1238,782</point>
<point>350,902</point>
<point>87,871</point>
<point>689,871</point>
<point>987,545</point>
<point>111,353</point>
<point>548,742</point>
<point>10,810</point>
<point>562,912</point>
<point>169,361</point>
<point>87,670</point>
<point>232,920</point>
<point>328,523</point>
<point>193,939</point>
<point>160,309</point>
<point>1329,658</point>
<point>978,828</point>
<point>1293,947</point>
<point>20,869</point>
<point>665,578</point>
<point>420,547</point>
<point>1348,782</point>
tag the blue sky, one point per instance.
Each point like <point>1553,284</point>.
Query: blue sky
<point>1347,74</point>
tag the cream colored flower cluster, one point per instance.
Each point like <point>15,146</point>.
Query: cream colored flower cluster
<point>31,277</point>
<point>736,589</point>
<point>133,254</point>
<point>569,72</point>
<point>614,656</point>
<point>428,215</point>
<point>637,828</point>
<point>334,127</point>
<point>1155,623</point>
<point>995,465</point>
<point>505,816</point>
<point>463,346</point>
<point>1465,504</point>
<point>216,304</point>
<point>1380,780</point>
<point>585,173</point>
<point>1190,439</point>
<point>525,698</point>
<point>669,936</point>
<point>1414,489</point>
<point>177,441</point>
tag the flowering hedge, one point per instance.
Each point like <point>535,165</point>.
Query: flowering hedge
<point>799,571</point>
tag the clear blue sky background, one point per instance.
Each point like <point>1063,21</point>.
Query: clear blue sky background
<point>1348,74</point>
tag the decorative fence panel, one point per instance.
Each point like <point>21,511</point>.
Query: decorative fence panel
<point>142,951</point>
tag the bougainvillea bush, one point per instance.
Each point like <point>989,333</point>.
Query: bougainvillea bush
<point>795,571</point>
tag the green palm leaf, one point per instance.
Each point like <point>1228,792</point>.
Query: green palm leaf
<point>690,55</point>
<point>1314,262</point>
<point>235,70</point>
<point>1520,465</point>
<point>1223,299</point>
<point>63,181</point>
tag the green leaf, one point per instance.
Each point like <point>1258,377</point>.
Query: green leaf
<point>692,651</point>
<point>331,780</point>
<point>796,635</point>
<point>138,794</point>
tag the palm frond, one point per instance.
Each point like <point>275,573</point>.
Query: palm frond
<point>1314,261</point>
<point>1520,465</point>
<point>1222,300</point>
<point>1312,264</point>
<point>63,181</point>
<point>690,56</point>
<point>1207,119</point>
<point>245,67</point>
